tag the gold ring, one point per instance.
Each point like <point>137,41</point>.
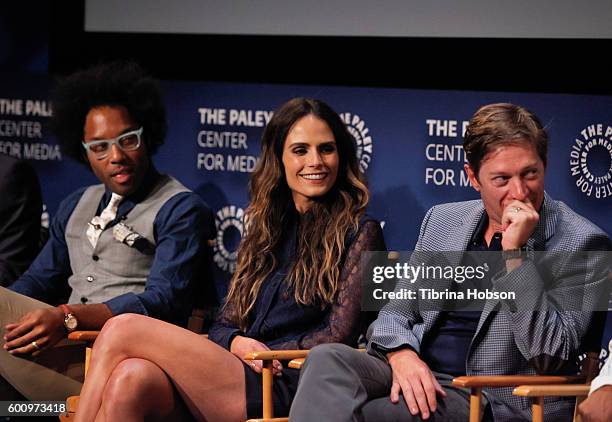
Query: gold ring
<point>36,346</point>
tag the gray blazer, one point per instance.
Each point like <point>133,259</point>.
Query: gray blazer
<point>507,342</point>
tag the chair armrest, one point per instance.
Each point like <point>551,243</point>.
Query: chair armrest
<point>269,420</point>
<point>83,335</point>
<point>277,354</point>
<point>287,355</point>
<point>268,356</point>
<point>513,380</point>
<point>296,363</point>
<point>551,390</point>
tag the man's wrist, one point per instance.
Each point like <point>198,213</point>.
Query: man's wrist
<point>515,253</point>
<point>70,320</point>
<point>402,350</point>
<point>384,351</point>
<point>514,257</point>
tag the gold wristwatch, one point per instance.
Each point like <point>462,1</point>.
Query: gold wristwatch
<point>70,321</point>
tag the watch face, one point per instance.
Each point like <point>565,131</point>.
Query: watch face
<point>70,322</point>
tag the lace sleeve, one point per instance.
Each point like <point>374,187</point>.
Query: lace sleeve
<point>345,321</point>
<point>223,330</point>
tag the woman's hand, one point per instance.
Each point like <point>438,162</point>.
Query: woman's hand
<point>241,346</point>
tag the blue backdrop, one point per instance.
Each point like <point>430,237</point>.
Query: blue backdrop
<point>408,142</point>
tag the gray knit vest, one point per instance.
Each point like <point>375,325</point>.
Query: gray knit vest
<point>113,268</point>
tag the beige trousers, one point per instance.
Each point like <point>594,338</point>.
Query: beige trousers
<point>55,374</point>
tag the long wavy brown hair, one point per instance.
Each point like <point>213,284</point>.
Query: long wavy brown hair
<point>315,272</point>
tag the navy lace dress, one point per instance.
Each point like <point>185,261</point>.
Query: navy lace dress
<point>280,323</point>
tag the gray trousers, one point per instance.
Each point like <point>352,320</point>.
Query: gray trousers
<point>339,383</point>
<point>55,374</point>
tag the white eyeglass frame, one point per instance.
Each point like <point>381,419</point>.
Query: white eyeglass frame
<point>113,141</point>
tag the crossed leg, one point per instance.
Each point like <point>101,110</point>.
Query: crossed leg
<point>209,379</point>
<point>141,382</point>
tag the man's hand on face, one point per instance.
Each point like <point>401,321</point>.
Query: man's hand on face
<point>519,221</point>
<point>44,326</point>
<point>413,378</point>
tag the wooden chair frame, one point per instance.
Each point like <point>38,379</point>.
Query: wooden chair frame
<point>529,386</point>
<point>477,383</point>
<point>296,357</point>
<point>537,393</point>
<point>533,386</point>
<point>72,402</point>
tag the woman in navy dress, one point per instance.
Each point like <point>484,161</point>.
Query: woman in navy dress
<point>297,284</point>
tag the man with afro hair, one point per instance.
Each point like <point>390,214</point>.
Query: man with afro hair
<point>133,244</point>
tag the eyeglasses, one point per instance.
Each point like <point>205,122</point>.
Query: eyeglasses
<point>129,141</point>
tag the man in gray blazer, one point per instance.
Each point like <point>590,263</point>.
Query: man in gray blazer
<point>413,355</point>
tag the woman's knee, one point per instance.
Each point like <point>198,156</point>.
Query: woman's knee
<point>117,331</point>
<point>137,382</point>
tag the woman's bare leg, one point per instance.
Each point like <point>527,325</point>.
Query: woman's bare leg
<point>209,379</point>
<point>139,389</point>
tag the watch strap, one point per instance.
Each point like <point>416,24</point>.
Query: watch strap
<point>66,309</point>
<point>69,318</point>
<point>514,253</point>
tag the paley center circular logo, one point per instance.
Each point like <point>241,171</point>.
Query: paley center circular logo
<point>591,161</point>
<point>230,227</point>
<point>357,128</point>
